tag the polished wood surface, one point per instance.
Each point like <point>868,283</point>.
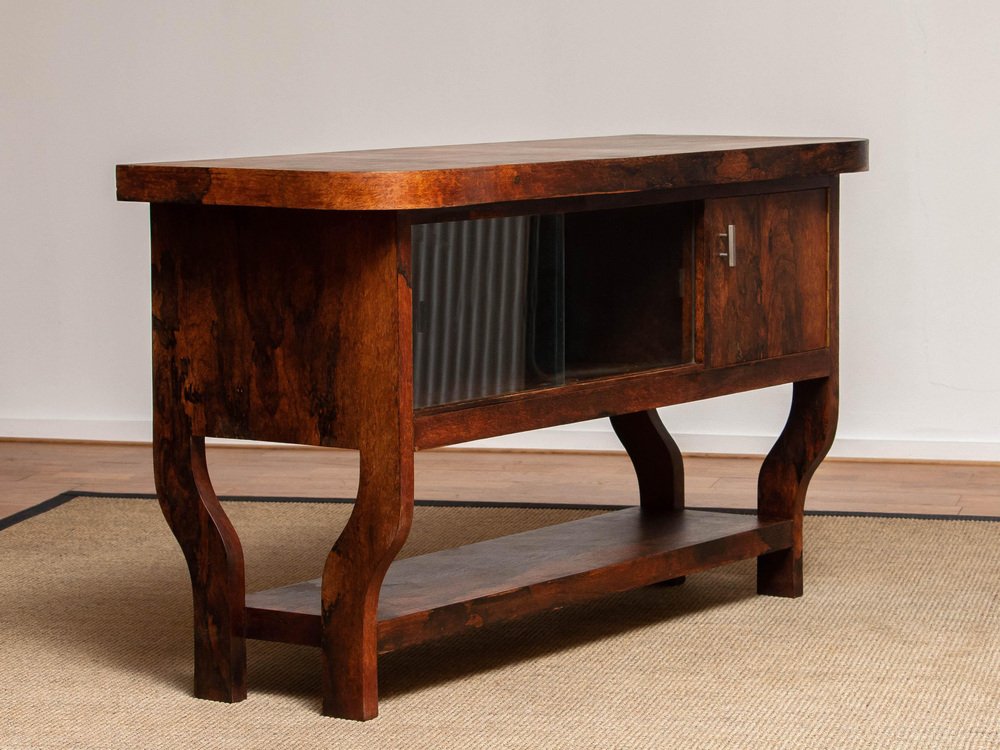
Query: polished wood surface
<point>270,303</point>
<point>210,544</point>
<point>33,471</point>
<point>785,475</point>
<point>472,174</point>
<point>438,426</point>
<point>379,363</point>
<point>658,463</point>
<point>291,326</point>
<point>441,593</point>
<point>280,324</point>
<point>775,300</point>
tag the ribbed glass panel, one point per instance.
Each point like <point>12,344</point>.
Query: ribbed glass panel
<point>469,308</point>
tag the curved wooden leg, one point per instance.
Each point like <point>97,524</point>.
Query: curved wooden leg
<point>215,561</point>
<point>353,576</point>
<point>785,474</point>
<point>658,464</point>
<point>378,361</point>
<point>207,538</point>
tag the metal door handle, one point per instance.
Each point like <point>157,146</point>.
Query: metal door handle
<point>730,235</point>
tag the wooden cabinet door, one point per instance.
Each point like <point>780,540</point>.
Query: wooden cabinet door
<point>775,299</point>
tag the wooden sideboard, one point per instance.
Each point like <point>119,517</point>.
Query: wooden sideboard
<point>395,300</point>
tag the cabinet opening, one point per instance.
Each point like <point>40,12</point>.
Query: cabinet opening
<point>509,304</point>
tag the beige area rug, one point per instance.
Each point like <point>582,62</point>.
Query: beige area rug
<point>895,645</point>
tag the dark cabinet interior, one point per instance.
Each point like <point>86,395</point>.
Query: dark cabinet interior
<point>628,273</point>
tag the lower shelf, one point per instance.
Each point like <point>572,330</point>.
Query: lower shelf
<point>500,579</point>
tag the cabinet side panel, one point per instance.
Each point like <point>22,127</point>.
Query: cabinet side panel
<point>263,302</point>
<point>796,275</point>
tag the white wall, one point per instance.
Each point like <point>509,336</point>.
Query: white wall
<point>86,85</point>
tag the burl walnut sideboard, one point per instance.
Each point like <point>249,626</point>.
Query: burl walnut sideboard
<point>394,300</point>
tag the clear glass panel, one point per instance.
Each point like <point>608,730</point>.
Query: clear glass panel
<point>511,304</point>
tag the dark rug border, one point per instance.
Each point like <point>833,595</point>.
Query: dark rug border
<point>65,497</point>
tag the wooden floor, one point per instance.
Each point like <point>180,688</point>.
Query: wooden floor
<point>31,472</point>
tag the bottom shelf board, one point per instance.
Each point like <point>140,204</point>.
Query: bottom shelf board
<point>445,592</point>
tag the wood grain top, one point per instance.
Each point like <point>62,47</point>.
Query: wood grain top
<point>475,174</point>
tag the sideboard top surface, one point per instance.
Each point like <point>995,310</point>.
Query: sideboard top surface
<point>483,173</point>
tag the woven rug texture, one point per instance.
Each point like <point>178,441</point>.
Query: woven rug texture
<point>896,644</point>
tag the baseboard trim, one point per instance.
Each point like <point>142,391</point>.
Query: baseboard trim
<point>566,438</point>
<point>89,430</point>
